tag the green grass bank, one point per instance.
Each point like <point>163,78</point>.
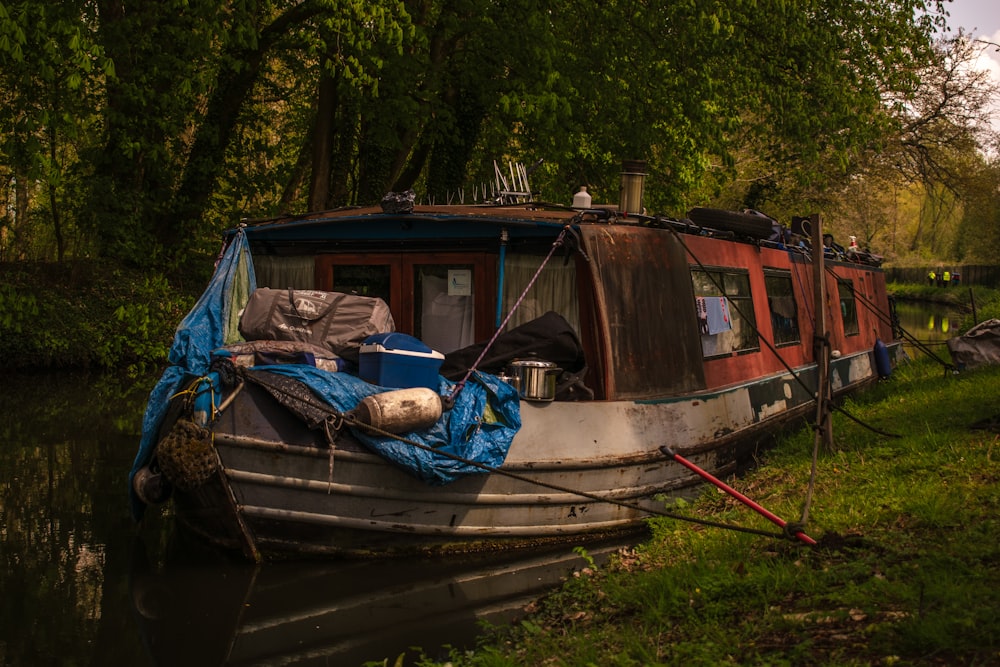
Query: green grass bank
<point>905,571</point>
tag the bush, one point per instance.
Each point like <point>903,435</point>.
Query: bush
<point>86,315</point>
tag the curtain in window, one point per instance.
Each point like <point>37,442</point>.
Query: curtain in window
<point>282,272</point>
<point>555,289</point>
<point>447,321</point>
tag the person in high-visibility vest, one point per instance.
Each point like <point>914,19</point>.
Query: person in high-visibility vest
<point>931,277</point>
<point>947,278</point>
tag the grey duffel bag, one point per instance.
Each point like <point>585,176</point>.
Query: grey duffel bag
<point>334,320</point>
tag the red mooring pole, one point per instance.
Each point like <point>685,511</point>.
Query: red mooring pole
<point>733,492</point>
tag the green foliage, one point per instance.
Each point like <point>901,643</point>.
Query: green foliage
<point>978,234</point>
<point>138,132</point>
<point>86,315</point>
<point>51,65</point>
<point>17,310</point>
<point>957,298</point>
<point>714,96</point>
<point>135,334</point>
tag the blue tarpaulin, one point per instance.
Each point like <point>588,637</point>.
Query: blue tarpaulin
<point>209,325</point>
<point>478,428</point>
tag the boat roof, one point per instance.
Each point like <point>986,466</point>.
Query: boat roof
<point>470,226</point>
<point>424,221</point>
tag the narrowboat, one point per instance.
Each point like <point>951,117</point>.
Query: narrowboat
<point>375,381</point>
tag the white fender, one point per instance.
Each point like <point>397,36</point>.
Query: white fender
<point>400,411</point>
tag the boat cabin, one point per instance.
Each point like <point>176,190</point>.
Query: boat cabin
<point>659,313</point>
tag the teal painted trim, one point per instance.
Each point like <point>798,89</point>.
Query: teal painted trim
<point>762,385</point>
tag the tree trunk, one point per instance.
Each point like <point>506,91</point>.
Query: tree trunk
<point>114,209</point>
<point>294,185</point>
<point>323,137</point>
<point>54,201</point>
<point>206,160</point>
<point>23,195</point>
<point>375,162</point>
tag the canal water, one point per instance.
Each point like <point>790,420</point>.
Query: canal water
<point>931,325</point>
<point>81,584</point>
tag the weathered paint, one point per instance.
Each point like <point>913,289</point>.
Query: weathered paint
<point>646,311</point>
<point>715,253</point>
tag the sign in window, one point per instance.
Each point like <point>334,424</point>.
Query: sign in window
<point>725,293</point>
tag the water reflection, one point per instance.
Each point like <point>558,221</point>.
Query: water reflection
<point>931,324</point>
<point>64,440</point>
<point>82,585</point>
<point>339,613</point>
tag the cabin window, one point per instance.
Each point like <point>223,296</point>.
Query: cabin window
<point>848,307</point>
<point>725,312</point>
<point>444,302</point>
<point>555,289</point>
<point>781,304</point>
<point>371,280</point>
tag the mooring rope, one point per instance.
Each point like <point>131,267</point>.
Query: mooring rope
<point>247,538</point>
<point>824,403</point>
<point>886,319</point>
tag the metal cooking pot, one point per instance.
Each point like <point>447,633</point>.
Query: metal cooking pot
<point>535,379</point>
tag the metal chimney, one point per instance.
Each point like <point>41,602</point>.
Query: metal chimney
<point>633,181</point>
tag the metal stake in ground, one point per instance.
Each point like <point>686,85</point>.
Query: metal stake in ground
<point>734,493</point>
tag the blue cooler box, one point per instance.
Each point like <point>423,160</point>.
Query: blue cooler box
<point>399,361</point>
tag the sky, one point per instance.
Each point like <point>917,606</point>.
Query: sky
<point>981,19</point>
